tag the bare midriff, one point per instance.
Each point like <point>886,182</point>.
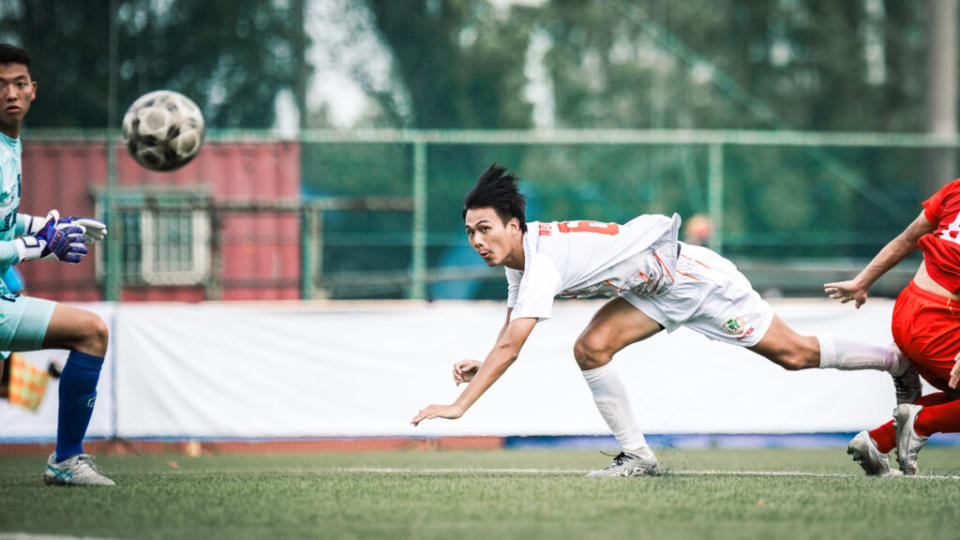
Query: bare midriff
<point>923,280</point>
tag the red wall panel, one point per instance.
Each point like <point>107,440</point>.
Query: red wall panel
<point>260,252</point>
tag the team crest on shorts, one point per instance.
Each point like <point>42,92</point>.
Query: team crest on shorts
<point>735,326</point>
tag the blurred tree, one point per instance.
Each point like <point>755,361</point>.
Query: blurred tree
<point>461,65</point>
<point>231,59</point>
<point>817,65</point>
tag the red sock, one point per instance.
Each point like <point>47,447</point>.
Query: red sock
<point>886,435</point>
<point>943,418</point>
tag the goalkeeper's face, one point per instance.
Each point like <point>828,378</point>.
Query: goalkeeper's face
<point>17,91</point>
<point>498,243</point>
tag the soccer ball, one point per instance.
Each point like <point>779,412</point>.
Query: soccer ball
<point>163,130</point>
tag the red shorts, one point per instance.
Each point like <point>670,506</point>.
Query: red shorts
<point>926,327</point>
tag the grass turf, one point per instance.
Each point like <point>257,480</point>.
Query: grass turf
<point>436,495</point>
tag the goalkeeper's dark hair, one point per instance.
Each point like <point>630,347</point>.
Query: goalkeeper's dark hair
<point>497,189</point>
<point>10,54</point>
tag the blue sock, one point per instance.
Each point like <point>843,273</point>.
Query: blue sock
<point>78,392</point>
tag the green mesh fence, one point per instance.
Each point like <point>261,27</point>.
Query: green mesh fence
<point>792,209</point>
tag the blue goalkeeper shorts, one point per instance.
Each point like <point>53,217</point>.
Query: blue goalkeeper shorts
<point>23,322</point>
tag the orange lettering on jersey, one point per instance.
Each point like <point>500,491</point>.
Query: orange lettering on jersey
<point>545,229</point>
<point>588,226</point>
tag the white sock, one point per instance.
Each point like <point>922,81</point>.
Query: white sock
<point>843,353</point>
<point>611,398</point>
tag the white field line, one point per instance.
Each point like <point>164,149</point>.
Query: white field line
<point>31,536</point>
<point>676,472</point>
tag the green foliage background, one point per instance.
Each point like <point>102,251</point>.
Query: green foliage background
<point>824,65</point>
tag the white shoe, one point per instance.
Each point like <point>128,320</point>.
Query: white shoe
<point>864,451</point>
<point>908,442</point>
<point>78,470</point>
<point>630,464</point>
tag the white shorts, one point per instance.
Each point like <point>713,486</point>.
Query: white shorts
<point>709,295</point>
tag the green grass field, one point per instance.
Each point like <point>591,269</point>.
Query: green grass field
<point>526,494</point>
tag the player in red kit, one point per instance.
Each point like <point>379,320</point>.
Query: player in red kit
<point>926,327</point>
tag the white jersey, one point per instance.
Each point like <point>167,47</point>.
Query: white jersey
<point>585,258</point>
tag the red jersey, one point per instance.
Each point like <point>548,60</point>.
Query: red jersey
<point>941,248</point>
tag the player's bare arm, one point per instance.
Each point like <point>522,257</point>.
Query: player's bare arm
<point>895,251</point>
<point>500,358</point>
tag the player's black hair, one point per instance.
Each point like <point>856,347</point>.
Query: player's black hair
<point>497,189</point>
<point>10,54</point>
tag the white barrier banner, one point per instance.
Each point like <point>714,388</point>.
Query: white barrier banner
<point>316,370</point>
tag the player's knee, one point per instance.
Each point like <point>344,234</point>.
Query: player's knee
<point>95,335</point>
<point>591,352</point>
<point>791,352</point>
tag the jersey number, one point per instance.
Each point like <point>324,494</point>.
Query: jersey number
<point>951,232</point>
<point>588,226</point>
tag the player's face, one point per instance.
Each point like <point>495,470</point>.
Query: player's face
<point>17,91</point>
<point>498,243</point>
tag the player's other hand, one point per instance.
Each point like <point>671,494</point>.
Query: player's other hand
<point>955,373</point>
<point>93,230</point>
<point>464,370</point>
<point>63,244</point>
<point>846,291</point>
<point>437,411</point>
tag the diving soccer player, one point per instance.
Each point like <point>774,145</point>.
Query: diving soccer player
<point>656,281</point>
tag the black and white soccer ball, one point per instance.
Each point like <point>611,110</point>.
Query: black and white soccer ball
<point>163,130</point>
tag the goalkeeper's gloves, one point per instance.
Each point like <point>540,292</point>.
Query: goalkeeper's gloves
<point>51,242</point>
<point>93,230</point>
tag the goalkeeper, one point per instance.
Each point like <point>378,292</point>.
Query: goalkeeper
<point>28,323</point>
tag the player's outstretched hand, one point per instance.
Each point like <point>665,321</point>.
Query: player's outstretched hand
<point>437,411</point>
<point>464,370</point>
<point>93,230</point>
<point>846,291</point>
<point>955,373</point>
